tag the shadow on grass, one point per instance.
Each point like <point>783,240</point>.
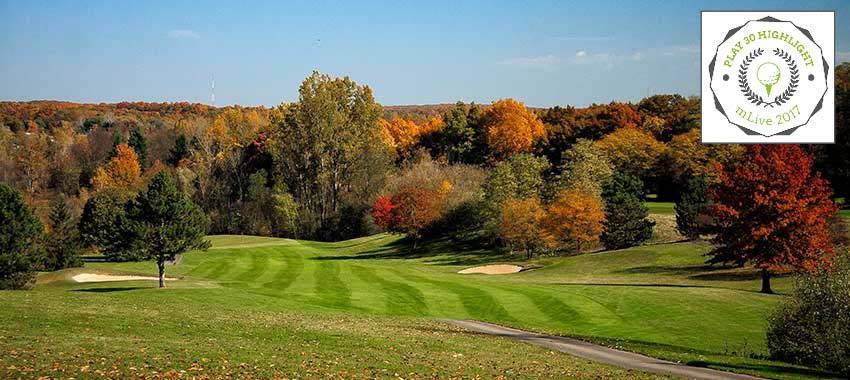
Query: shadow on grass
<point>109,290</point>
<point>638,285</point>
<point>671,270</point>
<point>764,368</point>
<point>444,251</point>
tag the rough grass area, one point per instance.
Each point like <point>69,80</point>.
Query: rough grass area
<point>361,308</point>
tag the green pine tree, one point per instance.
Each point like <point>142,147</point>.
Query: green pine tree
<point>20,232</point>
<point>63,243</point>
<point>626,222</point>
<point>139,144</point>
<point>691,201</point>
<point>164,222</point>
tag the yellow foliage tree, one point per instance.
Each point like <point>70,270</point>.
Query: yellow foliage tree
<point>688,157</point>
<point>511,128</point>
<point>575,218</point>
<point>631,150</point>
<point>121,172</point>
<point>404,134</point>
<point>522,226</point>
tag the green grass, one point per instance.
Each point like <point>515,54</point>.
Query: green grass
<point>365,305</point>
<point>663,208</point>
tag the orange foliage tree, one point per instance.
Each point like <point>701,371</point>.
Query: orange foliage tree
<point>522,225</point>
<point>772,210</point>
<point>575,218</point>
<point>121,172</point>
<point>631,150</point>
<point>511,128</point>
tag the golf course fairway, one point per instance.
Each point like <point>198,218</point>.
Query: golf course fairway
<point>253,307</point>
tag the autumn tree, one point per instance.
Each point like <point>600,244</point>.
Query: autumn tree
<point>511,129</point>
<point>686,157</point>
<point>403,133</point>
<point>575,218</point>
<point>771,209</point>
<point>20,231</point>
<point>522,226</point>
<point>121,172</point>
<point>382,212</point>
<point>163,223</point>
<point>626,222</point>
<point>631,150</point>
<point>417,205</point>
<point>519,177</point>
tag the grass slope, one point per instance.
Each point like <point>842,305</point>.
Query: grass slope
<point>306,305</point>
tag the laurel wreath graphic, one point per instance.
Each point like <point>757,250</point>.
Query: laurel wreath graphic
<point>795,77</point>
<point>756,99</point>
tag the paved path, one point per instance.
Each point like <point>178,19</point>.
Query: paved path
<point>599,353</point>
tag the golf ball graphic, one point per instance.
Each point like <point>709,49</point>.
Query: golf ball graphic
<point>768,75</point>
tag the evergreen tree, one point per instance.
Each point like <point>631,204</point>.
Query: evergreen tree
<point>179,151</point>
<point>692,201</point>
<point>138,142</point>
<point>163,223</point>
<point>626,222</point>
<point>102,222</point>
<point>63,243</point>
<point>20,232</point>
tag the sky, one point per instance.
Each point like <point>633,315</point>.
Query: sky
<point>543,53</point>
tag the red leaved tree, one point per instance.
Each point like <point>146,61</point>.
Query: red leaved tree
<point>382,212</point>
<point>771,210</point>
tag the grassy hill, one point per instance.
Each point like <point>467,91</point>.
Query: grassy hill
<point>265,305</point>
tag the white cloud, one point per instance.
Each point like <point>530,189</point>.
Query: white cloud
<point>183,33</point>
<point>581,53</point>
<point>842,56</point>
<point>674,51</point>
<point>545,61</point>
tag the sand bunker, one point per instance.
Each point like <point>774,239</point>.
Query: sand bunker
<point>96,277</point>
<point>493,269</point>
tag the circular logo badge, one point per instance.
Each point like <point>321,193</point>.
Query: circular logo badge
<point>768,77</point>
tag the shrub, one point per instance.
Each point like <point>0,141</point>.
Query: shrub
<point>811,327</point>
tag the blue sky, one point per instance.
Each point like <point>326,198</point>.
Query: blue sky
<point>541,52</point>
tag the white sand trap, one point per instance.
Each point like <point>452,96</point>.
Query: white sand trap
<point>493,269</point>
<point>96,277</point>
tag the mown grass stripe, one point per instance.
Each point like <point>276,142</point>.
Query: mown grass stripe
<point>330,289</point>
<point>285,274</point>
<point>478,303</point>
<point>400,298</point>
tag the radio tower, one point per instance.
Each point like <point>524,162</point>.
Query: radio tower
<point>212,91</point>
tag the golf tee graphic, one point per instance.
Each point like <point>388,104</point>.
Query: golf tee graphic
<point>768,77</point>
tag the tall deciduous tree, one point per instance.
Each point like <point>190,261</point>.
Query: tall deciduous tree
<point>20,231</point>
<point>626,222</point>
<point>772,210</point>
<point>322,139</point>
<point>511,128</point>
<point>163,223</point>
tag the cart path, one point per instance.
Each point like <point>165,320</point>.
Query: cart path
<point>595,352</point>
